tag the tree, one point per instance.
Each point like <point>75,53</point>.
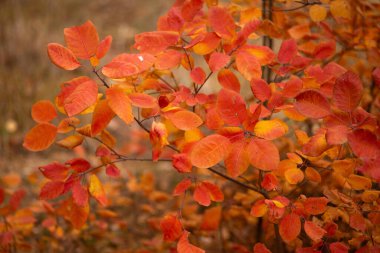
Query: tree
<point>282,142</point>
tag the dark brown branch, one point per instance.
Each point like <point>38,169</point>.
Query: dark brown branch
<point>100,78</point>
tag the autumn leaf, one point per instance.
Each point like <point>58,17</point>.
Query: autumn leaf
<point>112,170</point>
<point>43,111</point>
<point>260,248</point>
<point>52,190</point>
<point>82,40</point>
<point>364,143</point>
<point>315,205</point>
<point>231,107</point>
<point>222,22</point>
<point>237,161</point>
<point>101,117</point>
<point>80,194</point>
<point>217,61</point>
<point>209,151</point>
<point>155,42</point>
<point>228,80</point>
<point>182,187</point>
<point>184,245</point>
<point>40,137</point>
<point>71,141</point>
<point>270,129</point>
<point>62,57</point>
<point>142,100</point>
<point>78,215</point>
<point>55,171</point>
<point>185,120</point>
<point>171,228</point>
<point>347,92</point>
<point>248,65</point>
<point>198,75</point>
<point>119,102</point>
<point>263,154</point>
<point>260,89</point>
<point>104,47</point>
<point>312,104</point>
<point>96,190</point>
<point>168,59</point>
<point>287,51</point>
<point>207,44</point>
<point>314,231</point>
<point>211,219</point>
<point>317,13</point>
<point>290,227</point>
<point>159,138</point>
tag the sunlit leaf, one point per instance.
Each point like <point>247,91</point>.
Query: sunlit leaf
<point>96,190</point>
<point>40,137</point>
<point>120,103</point>
<point>43,111</point>
<point>62,57</point>
<point>290,227</point>
<point>263,154</point>
<point>171,228</point>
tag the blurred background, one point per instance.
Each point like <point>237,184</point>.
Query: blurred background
<point>26,73</point>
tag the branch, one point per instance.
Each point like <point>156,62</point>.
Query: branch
<point>100,78</point>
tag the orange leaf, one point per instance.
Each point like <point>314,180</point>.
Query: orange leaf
<point>51,190</point>
<point>120,104</point>
<point>168,59</point>
<point>290,227</point>
<point>207,44</point>
<point>182,163</point>
<point>218,61</point>
<point>96,190</point>
<point>359,182</point>
<point>211,219</point>
<point>324,50</point>
<point>317,13</point>
<point>270,129</point>
<point>201,195</point>
<point>263,54</point>
<point>77,95</point>
<point>184,246</point>
<point>40,137</point>
<point>294,176</point>
<point>347,92</point>
<point>270,182</point>
<point>71,141</point>
<point>228,80</point>
<point>82,40</point>
<point>79,215</point>
<point>248,65</point>
<point>260,248</point>
<point>171,228</point>
<point>119,69</point>
<point>314,231</point>
<point>155,42</point>
<point>43,111</point>
<point>231,107</point>
<point>263,154</point>
<point>357,222</point>
<point>104,47</point>
<point>142,100</point>
<point>237,161</point>
<point>158,138</point>
<point>209,151</point>
<point>62,57</point>
<point>222,22</point>
<point>101,117</point>
<point>312,104</point>
<point>315,205</point>
<point>259,209</point>
<point>185,120</point>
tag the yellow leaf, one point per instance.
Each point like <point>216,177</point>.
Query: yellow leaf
<point>97,191</point>
<point>270,129</point>
<point>359,182</point>
<point>340,9</point>
<point>294,176</point>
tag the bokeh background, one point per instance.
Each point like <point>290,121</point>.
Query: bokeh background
<point>27,75</point>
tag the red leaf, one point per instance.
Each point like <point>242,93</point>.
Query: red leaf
<point>155,42</point>
<point>79,164</point>
<point>182,187</point>
<point>112,170</point>
<point>260,248</point>
<point>222,22</point>
<point>260,89</point>
<point>218,61</point>
<point>201,195</point>
<point>209,151</point>
<point>287,51</point>
<point>184,246</point>
<point>347,92</point>
<point>120,103</point>
<point>338,247</point>
<point>198,75</point>
<point>80,194</point>
<point>43,111</point>
<point>77,95</point>
<point>52,190</point>
<point>228,80</point>
<point>357,222</point>
<point>171,228</point>
<point>82,40</point>
<point>231,107</point>
<point>101,117</point>
<point>104,47</point>
<point>263,154</point>
<point>214,191</point>
<point>290,227</point>
<point>364,143</point>
<point>62,57</point>
<point>270,182</point>
<point>55,171</point>
<point>159,138</point>
<point>16,198</point>
<point>40,137</point>
<point>312,104</point>
<point>376,76</point>
<point>314,231</point>
<point>315,205</point>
